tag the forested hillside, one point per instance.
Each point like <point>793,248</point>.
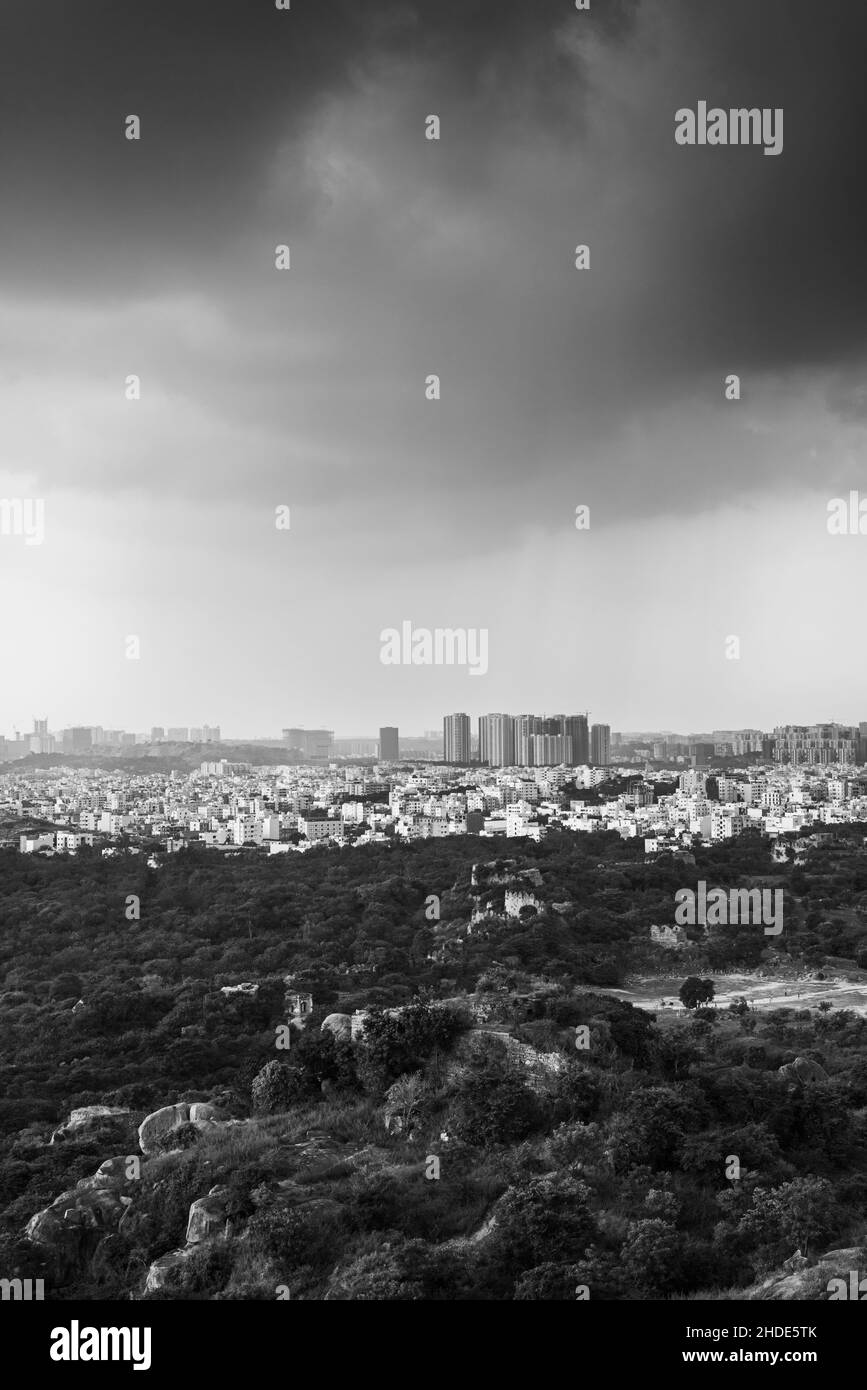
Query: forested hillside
<point>502,1127</point>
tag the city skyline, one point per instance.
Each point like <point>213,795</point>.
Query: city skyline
<point>499,740</point>
<point>223,805</point>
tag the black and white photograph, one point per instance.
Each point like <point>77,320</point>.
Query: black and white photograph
<point>433,449</point>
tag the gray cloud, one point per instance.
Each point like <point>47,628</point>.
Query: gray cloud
<point>412,257</point>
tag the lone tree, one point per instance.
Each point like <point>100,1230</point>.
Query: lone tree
<point>694,991</point>
<point>403,1102</point>
<point>274,1088</point>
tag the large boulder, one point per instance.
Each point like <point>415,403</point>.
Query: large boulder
<point>114,1172</point>
<point>167,1267</point>
<point>208,1216</point>
<point>803,1069</point>
<point>91,1208</point>
<point>72,1227</point>
<point>155,1127</point>
<point>338,1024</point>
<point>207,1222</point>
<point>90,1118</point>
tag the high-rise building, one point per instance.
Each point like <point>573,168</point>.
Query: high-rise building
<point>497,740</point>
<point>157,734</point>
<point>524,727</point>
<point>389,745</point>
<point>483,738</point>
<point>821,744</point>
<point>548,749</point>
<point>600,745</point>
<point>179,735</point>
<point>456,739</point>
<point>575,728</point>
<point>40,727</point>
<point>82,740</point>
<point>523,740</point>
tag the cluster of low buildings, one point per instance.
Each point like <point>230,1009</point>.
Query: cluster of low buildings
<point>85,738</point>
<point>227,806</point>
<point>775,800</point>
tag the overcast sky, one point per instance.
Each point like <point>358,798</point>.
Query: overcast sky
<point>306,387</point>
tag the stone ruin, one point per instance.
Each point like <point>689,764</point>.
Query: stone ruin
<point>672,938</point>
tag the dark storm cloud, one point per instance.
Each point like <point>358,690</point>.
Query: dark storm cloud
<point>763,257</point>
<point>768,253</point>
<point>558,127</point>
<point>215,85</point>
<point>218,86</point>
<point>408,258</point>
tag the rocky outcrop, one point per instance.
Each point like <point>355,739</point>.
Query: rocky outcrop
<point>168,1268</point>
<point>813,1282</point>
<point>207,1223</point>
<point>114,1172</point>
<point>154,1128</point>
<point>208,1216</point>
<point>97,1208</point>
<point>316,1151</point>
<point>371,1158</point>
<point>91,1118</point>
<point>71,1228</point>
<point>803,1069</point>
<point>795,1262</point>
<point>338,1024</point>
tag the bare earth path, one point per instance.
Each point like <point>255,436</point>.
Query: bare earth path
<point>759,991</point>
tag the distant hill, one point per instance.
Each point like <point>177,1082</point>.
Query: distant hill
<point>144,757</point>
